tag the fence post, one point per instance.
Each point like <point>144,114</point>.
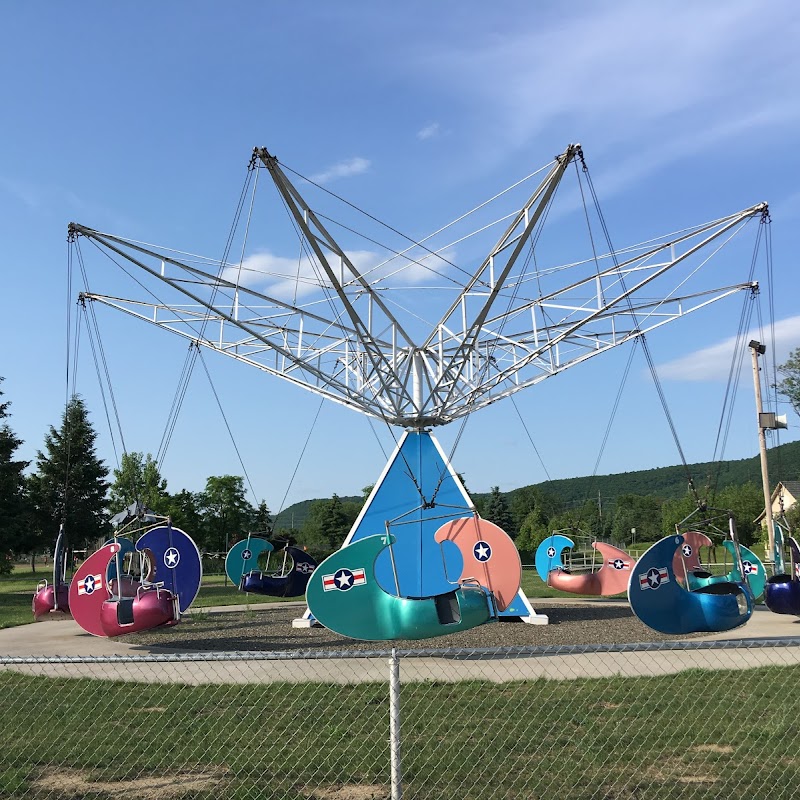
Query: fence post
<point>394,725</point>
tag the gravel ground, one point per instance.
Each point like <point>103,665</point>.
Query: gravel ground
<point>270,628</point>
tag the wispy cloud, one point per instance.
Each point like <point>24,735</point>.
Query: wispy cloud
<point>343,169</point>
<point>713,363</point>
<point>25,194</point>
<point>429,131</point>
<point>657,72</point>
<point>787,209</point>
<point>298,279</point>
<point>40,196</point>
<point>44,200</point>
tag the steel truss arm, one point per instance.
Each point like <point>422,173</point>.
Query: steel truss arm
<point>343,385</point>
<point>504,366</point>
<point>322,243</point>
<point>325,351</point>
<point>511,244</point>
<point>344,343</point>
<point>537,333</point>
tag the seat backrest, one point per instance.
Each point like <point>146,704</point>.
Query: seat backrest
<point>125,611</point>
<point>447,608</point>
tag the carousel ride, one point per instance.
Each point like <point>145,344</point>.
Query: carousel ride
<point>409,337</point>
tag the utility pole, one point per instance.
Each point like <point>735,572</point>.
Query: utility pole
<point>765,422</point>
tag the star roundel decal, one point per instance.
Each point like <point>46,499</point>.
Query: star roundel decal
<point>482,551</point>
<point>551,552</point>
<point>247,554</point>
<point>653,578</point>
<point>687,550</point>
<point>344,579</point>
<point>171,557</point>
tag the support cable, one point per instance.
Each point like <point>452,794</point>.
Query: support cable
<point>645,347</point>
<point>68,394</point>
<point>98,349</point>
<point>413,241</point>
<point>227,425</point>
<point>729,398</point>
<point>177,403</point>
<point>106,390</point>
<point>300,459</point>
<point>625,374</point>
<point>737,359</point>
<point>772,381</point>
<point>489,355</point>
<point>530,438</point>
<point>192,353</point>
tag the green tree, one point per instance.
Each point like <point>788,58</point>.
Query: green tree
<point>746,502</point>
<point>14,522</point>
<point>641,513</point>
<point>183,509</point>
<point>138,480</point>
<point>584,523</point>
<point>327,525</point>
<point>335,522</point>
<point>69,485</point>
<point>793,517</point>
<point>532,498</point>
<point>462,480</point>
<point>498,512</point>
<point>570,523</point>
<point>597,520</point>
<point>790,385</point>
<point>675,511</point>
<point>262,519</point>
<point>532,532</point>
<point>225,510</point>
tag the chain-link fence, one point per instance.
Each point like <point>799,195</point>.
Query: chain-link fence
<point>695,719</point>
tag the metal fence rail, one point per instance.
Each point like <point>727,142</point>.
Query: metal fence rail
<point>690,720</point>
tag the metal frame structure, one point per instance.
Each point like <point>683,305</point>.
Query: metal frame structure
<point>501,333</point>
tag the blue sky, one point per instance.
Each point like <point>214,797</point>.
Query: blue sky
<point>140,120</point>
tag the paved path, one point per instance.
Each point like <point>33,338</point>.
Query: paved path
<point>124,661</point>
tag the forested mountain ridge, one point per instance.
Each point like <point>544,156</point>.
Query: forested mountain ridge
<point>295,516</point>
<point>672,482</point>
<point>664,482</point>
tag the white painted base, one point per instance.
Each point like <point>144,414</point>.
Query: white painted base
<point>303,623</point>
<point>536,619</point>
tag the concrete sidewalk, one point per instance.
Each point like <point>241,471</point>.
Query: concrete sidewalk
<point>64,638</point>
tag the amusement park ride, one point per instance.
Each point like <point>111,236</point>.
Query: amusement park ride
<point>416,341</point>
<point>241,566</point>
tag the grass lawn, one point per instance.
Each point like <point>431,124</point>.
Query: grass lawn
<point>16,595</point>
<point>17,589</point>
<point>698,733</point>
